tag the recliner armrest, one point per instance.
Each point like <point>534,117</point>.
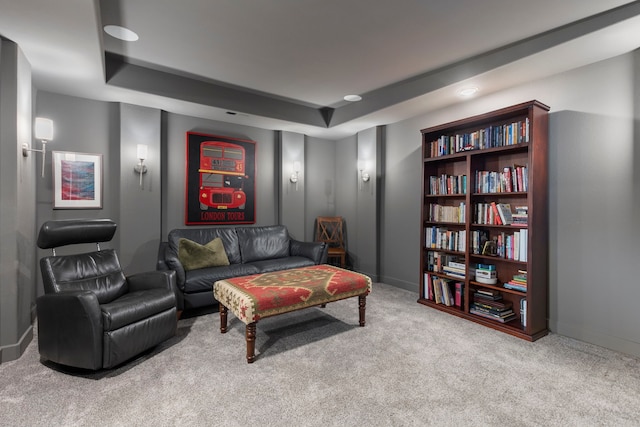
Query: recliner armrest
<point>316,251</point>
<point>153,280</point>
<point>70,328</point>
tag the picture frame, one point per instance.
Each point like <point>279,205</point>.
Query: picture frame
<point>220,180</point>
<point>77,180</point>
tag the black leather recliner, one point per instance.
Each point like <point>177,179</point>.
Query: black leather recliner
<point>92,316</point>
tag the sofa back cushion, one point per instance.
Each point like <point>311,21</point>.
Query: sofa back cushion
<point>259,243</point>
<point>205,235</point>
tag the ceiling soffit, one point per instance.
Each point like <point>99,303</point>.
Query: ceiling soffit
<point>148,78</point>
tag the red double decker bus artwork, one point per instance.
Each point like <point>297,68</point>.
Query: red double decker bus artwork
<point>222,174</point>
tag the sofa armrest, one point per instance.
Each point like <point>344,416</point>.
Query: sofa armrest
<point>316,251</point>
<point>173,263</point>
<point>70,328</point>
<point>161,264</point>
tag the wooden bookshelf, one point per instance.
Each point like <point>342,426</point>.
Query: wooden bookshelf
<point>468,165</point>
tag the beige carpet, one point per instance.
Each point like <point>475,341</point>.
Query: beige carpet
<point>410,366</point>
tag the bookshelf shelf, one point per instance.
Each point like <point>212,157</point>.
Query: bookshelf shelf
<point>495,164</point>
<point>487,259</point>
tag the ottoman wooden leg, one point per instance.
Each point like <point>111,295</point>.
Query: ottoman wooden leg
<point>223,318</point>
<point>251,342</point>
<point>362,303</point>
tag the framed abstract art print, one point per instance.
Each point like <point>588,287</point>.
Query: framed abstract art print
<point>77,180</point>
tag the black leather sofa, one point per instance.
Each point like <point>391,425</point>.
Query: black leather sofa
<point>250,250</point>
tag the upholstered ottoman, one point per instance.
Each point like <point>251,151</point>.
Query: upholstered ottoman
<point>255,297</point>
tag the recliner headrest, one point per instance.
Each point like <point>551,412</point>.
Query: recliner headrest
<point>58,233</point>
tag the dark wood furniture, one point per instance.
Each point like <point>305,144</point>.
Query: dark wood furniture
<point>254,297</point>
<point>466,167</point>
<point>330,229</point>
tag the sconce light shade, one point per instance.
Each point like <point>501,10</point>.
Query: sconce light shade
<point>142,151</point>
<point>364,175</point>
<point>141,168</point>
<point>44,129</point>
<point>294,175</point>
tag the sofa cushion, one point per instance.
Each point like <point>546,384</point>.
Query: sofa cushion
<point>193,255</point>
<point>259,243</point>
<point>203,279</point>
<point>204,236</point>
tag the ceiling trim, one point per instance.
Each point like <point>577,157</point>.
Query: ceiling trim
<point>122,72</point>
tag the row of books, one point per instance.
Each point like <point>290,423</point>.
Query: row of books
<point>436,261</point>
<point>442,238</point>
<point>487,303</point>
<point>443,291</point>
<point>493,213</point>
<point>514,246</point>
<point>448,184</point>
<point>510,179</point>
<point>477,240</point>
<point>445,213</point>
<point>508,246</point>
<point>489,137</point>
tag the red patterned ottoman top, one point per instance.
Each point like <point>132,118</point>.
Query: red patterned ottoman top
<point>253,297</point>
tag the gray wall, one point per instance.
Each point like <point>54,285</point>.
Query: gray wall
<point>292,195</point>
<point>593,198</point>
<point>320,169</point>
<point>83,126</point>
<point>139,205</point>
<point>17,190</point>
<point>369,145</point>
<point>347,179</point>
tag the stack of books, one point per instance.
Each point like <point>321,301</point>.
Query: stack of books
<point>486,273</point>
<point>491,306</point>
<point>457,269</point>
<point>519,281</point>
<point>521,217</point>
<point>437,260</point>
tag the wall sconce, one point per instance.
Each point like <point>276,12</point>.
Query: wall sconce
<point>295,171</point>
<point>364,175</point>
<point>43,131</point>
<point>140,168</point>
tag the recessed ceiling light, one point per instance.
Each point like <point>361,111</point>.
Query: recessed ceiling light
<point>353,98</point>
<point>121,33</point>
<point>468,91</point>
